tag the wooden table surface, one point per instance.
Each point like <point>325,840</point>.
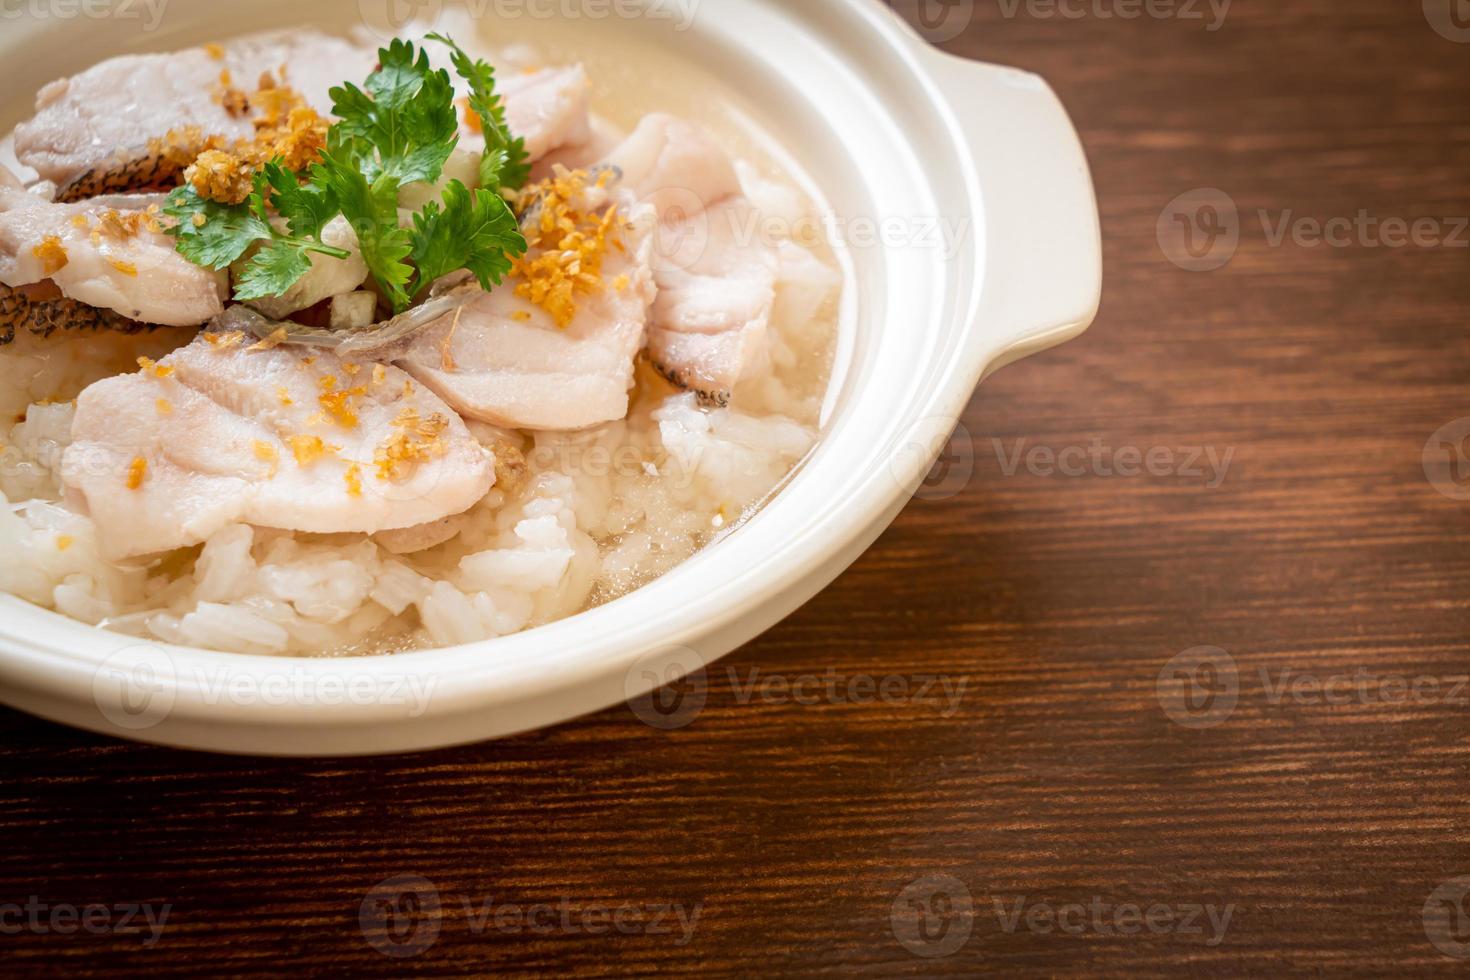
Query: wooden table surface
<point>1210,717</point>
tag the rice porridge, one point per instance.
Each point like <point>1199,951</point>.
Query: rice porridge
<point>571,380</point>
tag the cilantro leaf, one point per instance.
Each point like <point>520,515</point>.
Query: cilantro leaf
<point>399,128</point>
<point>371,207</point>
<point>421,163</point>
<point>219,235</point>
<point>404,125</point>
<point>226,232</point>
<point>504,163</point>
<point>306,208</point>
<point>475,231</point>
<point>272,271</point>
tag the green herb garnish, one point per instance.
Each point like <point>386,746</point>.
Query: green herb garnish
<point>504,163</point>
<point>397,130</point>
<point>224,232</point>
<point>474,230</point>
<point>404,126</point>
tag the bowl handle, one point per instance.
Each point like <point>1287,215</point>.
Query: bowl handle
<point>1041,244</point>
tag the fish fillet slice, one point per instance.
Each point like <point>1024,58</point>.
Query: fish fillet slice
<point>93,131</point>
<point>138,274</point>
<point>715,275</point>
<point>505,360</point>
<point>229,435</point>
<point>103,119</point>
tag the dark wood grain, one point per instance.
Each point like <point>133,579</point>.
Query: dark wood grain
<point>1057,600</point>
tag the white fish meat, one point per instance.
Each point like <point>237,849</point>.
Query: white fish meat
<point>93,130</point>
<point>100,130</point>
<point>101,252</point>
<point>708,327</point>
<point>547,108</point>
<point>218,434</point>
<point>675,166</point>
<point>504,360</point>
<point>715,274</point>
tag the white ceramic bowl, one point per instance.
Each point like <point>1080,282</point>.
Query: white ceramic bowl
<point>896,130</point>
